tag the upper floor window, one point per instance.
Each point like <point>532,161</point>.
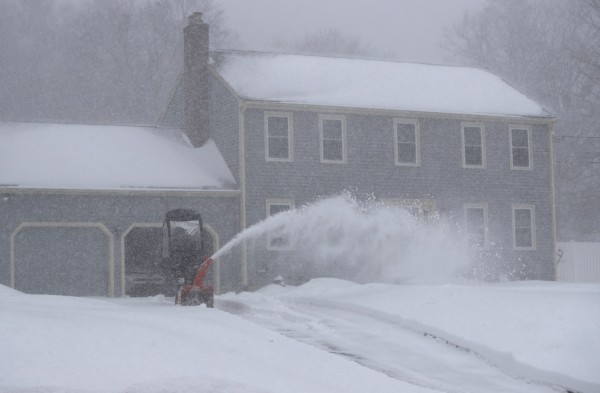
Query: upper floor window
<point>524,227</point>
<point>278,136</point>
<point>473,145</point>
<point>406,142</point>
<point>333,138</point>
<point>520,147</point>
<point>476,223</point>
<point>277,239</point>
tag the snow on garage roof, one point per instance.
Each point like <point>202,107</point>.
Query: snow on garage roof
<point>106,157</point>
<point>372,84</point>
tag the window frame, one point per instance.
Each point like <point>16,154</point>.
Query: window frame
<point>480,206</point>
<point>481,126</point>
<point>531,208</point>
<point>282,202</point>
<point>511,128</point>
<point>342,119</point>
<point>290,136</point>
<point>414,122</point>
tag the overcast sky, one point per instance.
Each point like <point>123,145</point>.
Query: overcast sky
<point>408,30</point>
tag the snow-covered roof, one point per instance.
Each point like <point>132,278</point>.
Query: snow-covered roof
<point>372,84</point>
<point>107,157</point>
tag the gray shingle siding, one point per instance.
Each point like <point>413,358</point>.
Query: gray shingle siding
<point>371,168</point>
<point>224,124</point>
<point>174,116</point>
<point>224,121</point>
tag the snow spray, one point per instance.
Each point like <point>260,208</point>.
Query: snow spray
<point>363,241</point>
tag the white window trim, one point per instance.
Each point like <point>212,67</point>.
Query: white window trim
<point>510,145</point>
<point>417,142</point>
<point>342,118</point>
<point>533,230</point>
<point>288,115</point>
<point>269,203</point>
<point>483,149</point>
<point>484,207</point>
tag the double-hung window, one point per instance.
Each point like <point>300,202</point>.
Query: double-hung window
<point>524,227</point>
<point>278,239</point>
<point>520,147</point>
<point>332,130</point>
<point>476,223</point>
<point>473,145</point>
<point>406,142</point>
<point>278,136</point>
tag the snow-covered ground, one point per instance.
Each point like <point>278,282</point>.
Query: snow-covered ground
<point>325,336</point>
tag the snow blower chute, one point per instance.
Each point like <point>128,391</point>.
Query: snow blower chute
<point>184,258</point>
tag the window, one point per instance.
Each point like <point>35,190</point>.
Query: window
<point>524,227</point>
<point>476,223</point>
<point>333,138</point>
<point>406,142</point>
<point>278,136</point>
<point>520,147</point>
<point>420,208</point>
<point>278,239</point>
<point>473,143</point>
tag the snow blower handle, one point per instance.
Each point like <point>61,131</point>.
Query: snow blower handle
<point>202,270</point>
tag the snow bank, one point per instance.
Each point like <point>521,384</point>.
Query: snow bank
<point>544,331</point>
<point>106,157</point>
<point>372,84</point>
<point>66,344</point>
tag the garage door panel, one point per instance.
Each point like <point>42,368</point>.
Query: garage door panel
<point>62,261</point>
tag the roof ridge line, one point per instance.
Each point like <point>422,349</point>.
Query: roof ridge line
<point>346,57</point>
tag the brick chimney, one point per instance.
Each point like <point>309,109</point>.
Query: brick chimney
<point>196,84</point>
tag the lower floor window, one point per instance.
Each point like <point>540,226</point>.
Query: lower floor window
<point>524,226</point>
<point>476,225</point>
<point>420,208</point>
<point>278,239</point>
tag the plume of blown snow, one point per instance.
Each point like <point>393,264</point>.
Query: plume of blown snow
<point>364,241</point>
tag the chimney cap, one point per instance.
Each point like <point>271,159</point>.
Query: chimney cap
<point>195,18</point>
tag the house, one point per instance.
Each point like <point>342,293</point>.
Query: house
<point>455,141</point>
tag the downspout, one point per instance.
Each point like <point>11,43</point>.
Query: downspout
<point>242,160</point>
<point>553,189</point>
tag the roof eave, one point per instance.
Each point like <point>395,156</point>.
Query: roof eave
<point>282,105</point>
<point>197,192</point>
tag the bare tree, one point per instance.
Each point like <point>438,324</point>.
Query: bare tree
<point>550,50</point>
<point>104,61</point>
<point>327,42</point>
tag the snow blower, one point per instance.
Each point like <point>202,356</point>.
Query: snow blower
<point>197,293</point>
<point>182,251</point>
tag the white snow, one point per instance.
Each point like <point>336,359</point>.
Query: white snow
<point>372,84</point>
<point>542,333</point>
<point>52,343</point>
<point>106,157</point>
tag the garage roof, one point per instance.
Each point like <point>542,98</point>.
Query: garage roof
<point>67,156</point>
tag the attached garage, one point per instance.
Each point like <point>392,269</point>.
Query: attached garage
<point>85,214</point>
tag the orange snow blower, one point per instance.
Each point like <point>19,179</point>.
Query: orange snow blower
<point>183,249</point>
<point>197,293</point>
